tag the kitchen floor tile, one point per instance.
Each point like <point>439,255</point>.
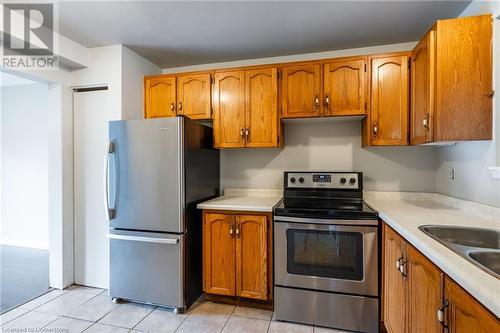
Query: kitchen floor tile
<point>283,327</point>
<point>67,325</point>
<point>11,315</point>
<point>327,330</point>
<point>85,289</point>
<point>212,307</point>
<point>43,299</point>
<point>31,321</point>
<point>101,328</point>
<point>161,320</point>
<point>127,315</point>
<point>253,313</point>
<point>203,323</point>
<point>237,324</point>
<point>94,309</point>
<point>65,303</point>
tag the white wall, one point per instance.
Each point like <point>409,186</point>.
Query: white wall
<point>24,158</point>
<point>471,160</point>
<point>327,145</point>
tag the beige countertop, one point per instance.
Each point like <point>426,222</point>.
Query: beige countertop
<point>405,212</point>
<point>258,200</point>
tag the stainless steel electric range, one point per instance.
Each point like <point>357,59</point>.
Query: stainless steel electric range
<point>326,252</point>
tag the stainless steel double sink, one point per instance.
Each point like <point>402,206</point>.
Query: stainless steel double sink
<point>479,246</point>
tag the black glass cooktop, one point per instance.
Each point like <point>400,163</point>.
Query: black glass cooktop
<point>327,208</point>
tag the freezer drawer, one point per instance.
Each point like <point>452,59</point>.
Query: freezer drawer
<point>147,267</point>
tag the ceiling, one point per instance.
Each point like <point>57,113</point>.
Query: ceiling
<point>174,33</point>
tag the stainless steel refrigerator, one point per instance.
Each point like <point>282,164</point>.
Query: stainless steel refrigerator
<point>157,171</point>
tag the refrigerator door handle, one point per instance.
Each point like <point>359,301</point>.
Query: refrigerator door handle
<point>110,150</point>
<point>144,239</point>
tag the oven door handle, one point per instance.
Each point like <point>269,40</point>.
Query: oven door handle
<point>287,219</point>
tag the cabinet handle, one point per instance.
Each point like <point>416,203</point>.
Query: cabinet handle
<point>316,101</point>
<point>398,263</point>
<point>180,106</point>
<point>375,129</point>
<point>237,231</point>
<point>441,314</point>
<point>172,107</point>
<point>327,101</point>
<point>231,230</point>
<point>402,267</point>
<point>491,94</point>
<point>247,133</point>
<point>242,133</point>
<point>425,122</point>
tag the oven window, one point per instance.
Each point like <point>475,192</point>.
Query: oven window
<point>330,254</point>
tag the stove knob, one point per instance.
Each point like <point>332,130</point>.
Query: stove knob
<point>352,181</point>
<point>342,180</point>
<point>301,180</point>
<point>292,180</point>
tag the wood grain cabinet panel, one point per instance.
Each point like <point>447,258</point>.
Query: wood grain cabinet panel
<point>464,79</point>
<point>251,256</point>
<point>425,291</point>
<point>344,86</point>
<point>261,110</point>
<point>395,291</point>
<point>389,100</point>
<point>219,248</point>
<point>300,92</point>
<point>423,62</point>
<point>159,97</point>
<point>464,314</point>
<point>229,109</point>
<point>194,95</point>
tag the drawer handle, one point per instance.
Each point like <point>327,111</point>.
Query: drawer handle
<point>144,239</point>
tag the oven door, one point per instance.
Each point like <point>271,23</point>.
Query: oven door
<point>327,257</point>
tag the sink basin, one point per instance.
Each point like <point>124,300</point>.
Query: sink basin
<point>464,236</point>
<point>489,259</point>
<point>479,246</point>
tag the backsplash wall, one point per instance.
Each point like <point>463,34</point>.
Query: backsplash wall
<point>330,145</point>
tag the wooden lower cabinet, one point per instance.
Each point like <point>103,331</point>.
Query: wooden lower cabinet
<point>414,290</point>
<point>237,254</point>
<point>464,314</point>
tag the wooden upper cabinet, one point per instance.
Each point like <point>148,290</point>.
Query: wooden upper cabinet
<point>261,112</point>
<point>159,97</point>
<point>464,79</point>
<point>425,291</point>
<point>423,62</point>
<point>229,109</point>
<point>344,86</point>
<point>194,95</point>
<point>251,256</point>
<point>219,254</point>
<point>395,292</point>
<point>464,314</point>
<point>388,117</point>
<point>300,91</point>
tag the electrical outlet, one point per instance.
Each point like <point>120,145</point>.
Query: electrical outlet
<point>452,174</point>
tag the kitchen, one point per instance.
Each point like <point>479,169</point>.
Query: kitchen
<point>352,190</point>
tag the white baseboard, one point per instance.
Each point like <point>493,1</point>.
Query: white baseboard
<point>25,243</point>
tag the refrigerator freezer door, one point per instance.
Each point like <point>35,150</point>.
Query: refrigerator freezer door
<point>147,267</point>
<point>148,193</point>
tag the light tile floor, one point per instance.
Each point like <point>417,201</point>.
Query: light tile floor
<point>78,308</point>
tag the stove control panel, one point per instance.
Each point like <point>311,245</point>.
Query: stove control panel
<point>328,180</point>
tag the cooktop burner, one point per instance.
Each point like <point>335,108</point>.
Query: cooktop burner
<point>327,195</point>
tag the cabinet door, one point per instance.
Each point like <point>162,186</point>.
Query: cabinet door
<point>261,110</point>
<point>251,256</point>
<point>465,314</point>
<point>344,88</point>
<point>422,89</point>
<point>389,96</point>
<point>219,254</point>
<point>425,292</point>
<point>394,283</point>
<point>193,96</point>
<point>229,109</point>
<point>300,94</point>
<point>464,79</point>
<point>159,97</point>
